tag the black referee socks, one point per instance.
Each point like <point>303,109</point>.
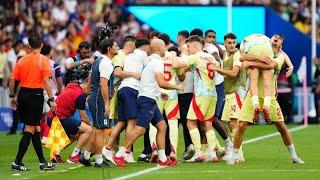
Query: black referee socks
<point>23,146</point>
<point>37,147</point>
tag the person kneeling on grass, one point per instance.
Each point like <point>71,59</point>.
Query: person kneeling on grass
<point>71,99</point>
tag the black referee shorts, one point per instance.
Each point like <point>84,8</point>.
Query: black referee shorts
<point>30,105</point>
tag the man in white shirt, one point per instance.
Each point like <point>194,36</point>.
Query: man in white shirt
<point>127,97</point>
<point>152,78</point>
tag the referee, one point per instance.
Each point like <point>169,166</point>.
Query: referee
<point>33,73</point>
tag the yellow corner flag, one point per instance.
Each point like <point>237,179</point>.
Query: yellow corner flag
<point>57,138</point>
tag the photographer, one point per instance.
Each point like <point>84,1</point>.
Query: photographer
<point>83,57</point>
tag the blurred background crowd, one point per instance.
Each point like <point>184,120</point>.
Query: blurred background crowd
<point>65,23</point>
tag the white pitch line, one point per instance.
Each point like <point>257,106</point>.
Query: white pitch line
<point>139,173</point>
<point>246,170</point>
<point>245,142</point>
<point>272,134</point>
<point>75,167</point>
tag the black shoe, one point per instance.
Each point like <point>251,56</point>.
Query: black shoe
<point>11,133</point>
<point>102,165</point>
<point>19,167</point>
<point>46,166</point>
<point>84,161</point>
<point>144,159</point>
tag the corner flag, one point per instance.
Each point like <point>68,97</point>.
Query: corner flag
<point>57,138</point>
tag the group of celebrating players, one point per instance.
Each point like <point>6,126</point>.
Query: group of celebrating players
<point>151,86</point>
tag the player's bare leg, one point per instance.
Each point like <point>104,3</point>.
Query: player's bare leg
<point>107,149</point>
<point>131,124</point>
<point>287,140</point>
<point>253,76</point>
<point>85,159</point>
<point>85,131</point>
<point>238,139</point>
<point>267,76</point>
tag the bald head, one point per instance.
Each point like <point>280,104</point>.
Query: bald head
<point>157,46</point>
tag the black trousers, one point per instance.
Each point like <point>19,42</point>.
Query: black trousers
<point>15,121</point>
<point>184,103</point>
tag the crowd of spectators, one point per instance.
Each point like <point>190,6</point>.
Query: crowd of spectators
<point>63,25</point>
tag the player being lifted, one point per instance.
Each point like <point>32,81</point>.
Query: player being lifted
<point>252,46</point>
<point>246,112</point>
<point>204,100</point>
<point>234,83</point>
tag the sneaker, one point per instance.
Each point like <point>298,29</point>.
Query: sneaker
<point>129,157</point>
<point>256,117</point>
<point>228,155</point>
<point>74,159</point>
<point>213,157</point>
<point>85,162</point>
<point>102,165</point>
<point>197,157</point>
<point>235,159</point>
<point>57,159</point>
<point>168,162</point>
<point>144,158</point>
<point>297,161</point>
<point>189,153</point>
<point>108,154</point>
<point>19,167</point>
<point>173,156</point>
<point>46,166</point>
<point>120,161</point>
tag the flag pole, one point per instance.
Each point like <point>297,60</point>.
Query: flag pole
<point>305,102</point>
<point>229,15</point>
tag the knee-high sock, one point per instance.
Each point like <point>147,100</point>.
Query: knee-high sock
<point>173,133</point>
<point>211,138</point>
<point>37,147</point>
<point>23,146</point>
<point>195,137</point>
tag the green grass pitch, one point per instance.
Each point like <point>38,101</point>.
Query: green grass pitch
<point>265,159</point>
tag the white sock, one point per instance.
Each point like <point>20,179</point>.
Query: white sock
<point>99,159</point>
<point>87,155</point>
<point>75,151</point>
<point>292,151</point>
<point>122,152</point>
<point>228,144</point>
<point>173,133</point>
<point>162,155</point>
<point>152,134</point>
<point>211,138</point>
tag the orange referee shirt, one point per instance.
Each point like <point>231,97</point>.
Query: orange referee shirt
<point>31,70</point>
